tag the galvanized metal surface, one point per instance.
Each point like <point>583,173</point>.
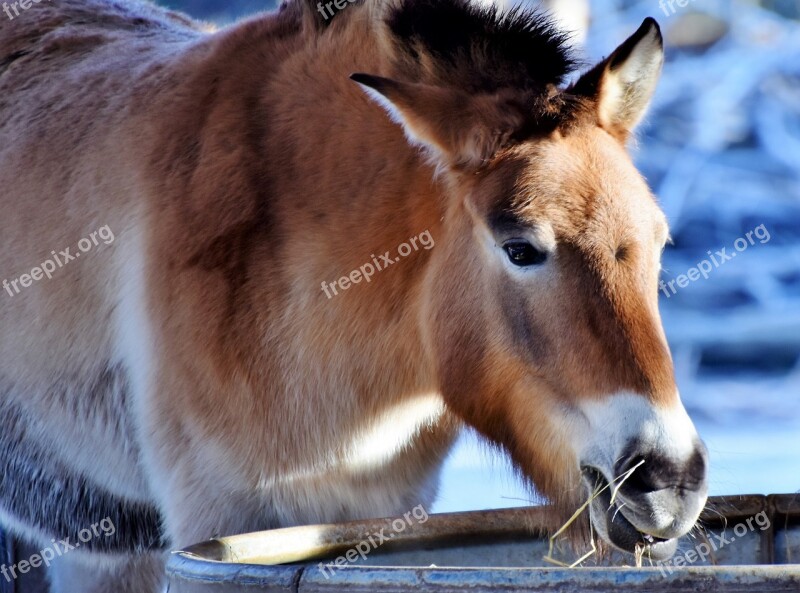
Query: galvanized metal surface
<point>754,538</point>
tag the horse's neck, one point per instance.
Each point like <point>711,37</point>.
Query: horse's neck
<point>357,191</point>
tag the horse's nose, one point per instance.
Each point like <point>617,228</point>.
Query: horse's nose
<point>657,470</point>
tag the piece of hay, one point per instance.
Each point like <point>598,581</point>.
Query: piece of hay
<point>621,479</point>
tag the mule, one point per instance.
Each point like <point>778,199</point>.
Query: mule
<point>189,378</point>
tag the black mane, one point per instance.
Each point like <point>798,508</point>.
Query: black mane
<point>480,49</point>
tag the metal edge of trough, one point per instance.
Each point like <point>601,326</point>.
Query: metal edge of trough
<point>299,579</point>
<point>192,569</point>
<point>256,560</point>
<point>728,579</point>
<point>299,544</point>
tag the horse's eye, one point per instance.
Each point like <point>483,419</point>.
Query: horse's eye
<point>522,253</point>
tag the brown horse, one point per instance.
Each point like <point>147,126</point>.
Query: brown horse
<point>180,373</point>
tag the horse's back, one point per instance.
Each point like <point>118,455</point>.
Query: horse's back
<point>69,71</point>
<point>72,24</point>
<point>69,145</point>
<point>68,74</point>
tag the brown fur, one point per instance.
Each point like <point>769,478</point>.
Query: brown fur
<point>238,169</point>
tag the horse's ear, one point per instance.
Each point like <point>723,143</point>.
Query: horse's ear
<point>623,84</point>
<point>462,130</point>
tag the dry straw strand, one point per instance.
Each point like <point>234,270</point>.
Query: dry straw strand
<point>619,480</point>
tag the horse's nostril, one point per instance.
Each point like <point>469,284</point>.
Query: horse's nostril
<point>645,478</point>
<point>695,472</point>
<point>658,472</point>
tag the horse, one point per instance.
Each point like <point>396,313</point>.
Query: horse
<point>180,371</point>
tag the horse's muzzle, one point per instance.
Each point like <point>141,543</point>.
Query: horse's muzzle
<point>651,501</point>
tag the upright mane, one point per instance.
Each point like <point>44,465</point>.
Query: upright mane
<point>479,48</point>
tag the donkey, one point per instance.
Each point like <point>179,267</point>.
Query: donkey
<point>187,378</point>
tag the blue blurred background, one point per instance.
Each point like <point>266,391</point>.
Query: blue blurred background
<point>721,148</point>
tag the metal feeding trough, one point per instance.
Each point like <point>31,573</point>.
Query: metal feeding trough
<point>751,544</point>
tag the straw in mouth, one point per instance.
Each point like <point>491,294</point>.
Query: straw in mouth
<point>621,533</point>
